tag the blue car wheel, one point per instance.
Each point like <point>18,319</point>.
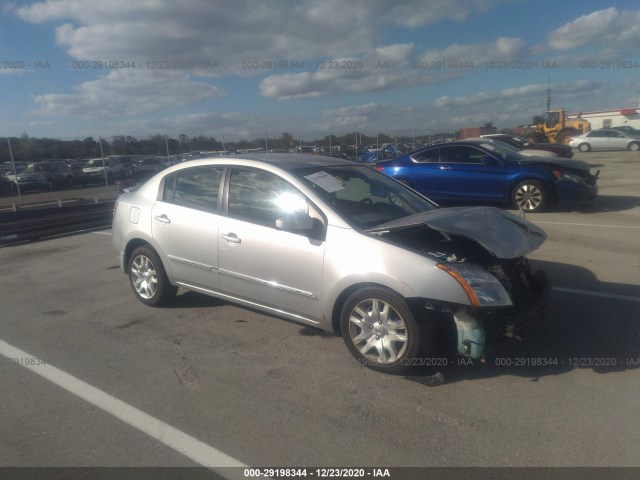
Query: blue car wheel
<point>530,196</point>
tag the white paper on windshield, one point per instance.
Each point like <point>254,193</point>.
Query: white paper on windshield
<point>327,182</point>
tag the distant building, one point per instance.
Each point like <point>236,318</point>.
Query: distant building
<point>610,118</point>
<point>471,132</point>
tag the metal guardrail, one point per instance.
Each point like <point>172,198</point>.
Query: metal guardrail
<point>24,225</point>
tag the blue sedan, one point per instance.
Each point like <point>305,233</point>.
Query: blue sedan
<point>480,172</point>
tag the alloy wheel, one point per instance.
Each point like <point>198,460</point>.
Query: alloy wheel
<point>144,277</point>
<point>528,197</point>
<point>378,331</point>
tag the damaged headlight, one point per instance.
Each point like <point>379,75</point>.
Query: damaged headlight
<point>482,288</point>
<point>560,175</point>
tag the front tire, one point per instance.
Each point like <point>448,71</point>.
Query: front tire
<point>148,278</point>
<point>634,146</point>
<point>530,196</point>
<point>380,330</point>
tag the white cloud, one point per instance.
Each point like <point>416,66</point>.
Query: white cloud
<point>417,13</point>
<point>230,31</point>
<point>227,31</point>
<point>503,49</point>
<point>126,93</point>
<point>381,69</point>
<point>605,28</point>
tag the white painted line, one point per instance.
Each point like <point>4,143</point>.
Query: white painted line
<point>181,442</point>
<point>597,294</point>
<point>102,233</point>
<point>588,225</point>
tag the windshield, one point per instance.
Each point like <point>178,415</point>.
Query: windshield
<point>504,151</point>
<point>522,141</point>
<point>362,196</point>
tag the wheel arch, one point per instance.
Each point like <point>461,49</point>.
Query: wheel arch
<point>344,295</point>
<point>413,303</point>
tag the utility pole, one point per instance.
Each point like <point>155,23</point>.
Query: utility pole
<point>549,93</point>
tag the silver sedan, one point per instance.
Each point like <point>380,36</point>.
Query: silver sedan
<point>605,139</point>
<point>334,245</point>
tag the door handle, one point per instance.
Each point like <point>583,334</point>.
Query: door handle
<point>162,218</point>
<point>231,238</point>
<point>445,167</point>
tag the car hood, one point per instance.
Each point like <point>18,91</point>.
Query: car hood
<point>565,163</point>
<point>530,152</point>
<point>501,233</point>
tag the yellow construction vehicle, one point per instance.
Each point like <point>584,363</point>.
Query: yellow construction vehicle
<point>557,128</point>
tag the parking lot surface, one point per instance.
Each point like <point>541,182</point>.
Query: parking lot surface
<point>267,392</point>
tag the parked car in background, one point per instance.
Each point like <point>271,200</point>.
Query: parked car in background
<point>605,139</point>
<point>76,167</point>
<point>128,164</point>
<point>525,145</point>
<point>526,153</point>
<point>334,245</point>
<point>98,170</point>
<point>627,129</point>
<point>148,166</point>
<point>45,175</point>
<point>7,187</point>
<point>481,172</point>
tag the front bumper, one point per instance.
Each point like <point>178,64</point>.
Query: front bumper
<point>511,323</point>
<point>572,195</point>
<point>478,330</point>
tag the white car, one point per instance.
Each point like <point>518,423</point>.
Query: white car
<point>605,139</point>
<point>334,245</point>
<point>94,170</point>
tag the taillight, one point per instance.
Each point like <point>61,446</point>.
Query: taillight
<point>558,173</point>
<point>379,168</point>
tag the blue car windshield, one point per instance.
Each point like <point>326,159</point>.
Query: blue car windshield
<point>364,197</point>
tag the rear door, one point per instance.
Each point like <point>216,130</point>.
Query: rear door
<point>185,222</point>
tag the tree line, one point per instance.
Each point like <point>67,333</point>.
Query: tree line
<point>26,148</point>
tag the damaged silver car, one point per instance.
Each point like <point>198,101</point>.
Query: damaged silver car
<point>333,245</point>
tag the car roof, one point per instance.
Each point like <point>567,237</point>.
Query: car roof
<point>469,141</point>
<point>285,161</point>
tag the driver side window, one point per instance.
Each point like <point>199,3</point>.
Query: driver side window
<point>261,197</point>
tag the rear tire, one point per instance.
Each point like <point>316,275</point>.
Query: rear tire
<point>634,146</point>
<point>148,278</point>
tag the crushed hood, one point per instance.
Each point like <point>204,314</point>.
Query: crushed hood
<point>565,163</point>
<point>501,233</point>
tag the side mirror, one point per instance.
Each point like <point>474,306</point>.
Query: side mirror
<point>489,161</point>
<point>297,222</point>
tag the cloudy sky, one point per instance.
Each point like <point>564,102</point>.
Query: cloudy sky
<point>77,68</point>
